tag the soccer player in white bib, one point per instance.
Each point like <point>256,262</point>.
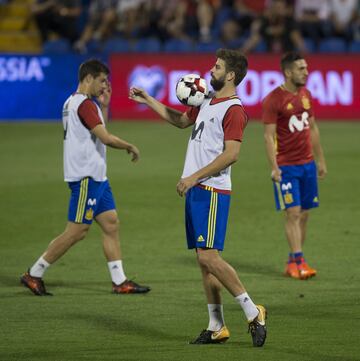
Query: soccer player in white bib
<point>85,140</point>
<point>214,145</point>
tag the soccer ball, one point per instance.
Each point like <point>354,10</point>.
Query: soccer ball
<point>191,90</point>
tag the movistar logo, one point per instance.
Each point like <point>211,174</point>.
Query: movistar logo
<point>197,130</point>
<point>286,187</point>
<point>299,124</point>
<point>91,202</point>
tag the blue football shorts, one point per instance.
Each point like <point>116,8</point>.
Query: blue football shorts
<point>298,187</point>
<point>206,215</point>
<point>88,199</point>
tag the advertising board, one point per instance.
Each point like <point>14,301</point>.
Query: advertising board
<point>332,81</point>
<point>35,87</point>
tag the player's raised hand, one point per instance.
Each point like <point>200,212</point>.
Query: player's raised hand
<point>276,175</point>
<point>134,151</point>
<point>139,95</point>
<point>104,98</point>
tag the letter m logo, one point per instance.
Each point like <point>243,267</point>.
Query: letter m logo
<point>197,130</point>
<point>286,187</point>
<point>298,124</point>
<point>91,202</point>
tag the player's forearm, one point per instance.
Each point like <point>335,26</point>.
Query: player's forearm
<point>171,115</point>
<point>220,163</point>
<point>316,145</point>
<point>116,142</point>
<point>271,152</point>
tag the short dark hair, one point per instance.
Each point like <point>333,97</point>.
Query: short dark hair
<point>234,61</point>
<point>93,67</point>
<point>289,58</point>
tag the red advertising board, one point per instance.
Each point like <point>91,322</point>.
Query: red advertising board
<point>333,81</point>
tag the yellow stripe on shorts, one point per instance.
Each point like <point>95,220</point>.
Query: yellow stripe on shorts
<point>212,220</point>
<point>82,200</point>
<point>280,196</point>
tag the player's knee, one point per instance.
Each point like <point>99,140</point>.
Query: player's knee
<point>111,226</point>
<point>77,235</point>
<point>205,259</point>
<point>304,217</point>
<point>293,217</point>
<point>81,234</point>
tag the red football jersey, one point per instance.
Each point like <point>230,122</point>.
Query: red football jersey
<point>290,112</point>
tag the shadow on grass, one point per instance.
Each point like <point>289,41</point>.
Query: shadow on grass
<point>69,287</point>
<point>263,269</point>
<point>125,326</point>
<point>13,281</point>
<point>9,280</point>
<point>241,266</point>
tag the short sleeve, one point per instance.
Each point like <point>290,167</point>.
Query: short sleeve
<point>234,123</point>
<point>88,114</point>
<point>192,113</point>
<point>269,111</point>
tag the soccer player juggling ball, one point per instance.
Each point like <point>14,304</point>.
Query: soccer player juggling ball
<point>85,142</point>
<point>292,139</point>
<point>214,145</point>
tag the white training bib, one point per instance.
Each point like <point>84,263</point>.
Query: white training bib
<point>207,142</point>
<point>84,154</point>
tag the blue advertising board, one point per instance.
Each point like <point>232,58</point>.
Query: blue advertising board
<point>35,87</point>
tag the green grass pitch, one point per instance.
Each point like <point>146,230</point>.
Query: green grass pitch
<point>309,320</point>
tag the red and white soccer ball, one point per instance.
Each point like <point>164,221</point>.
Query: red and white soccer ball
<point>191,90</point>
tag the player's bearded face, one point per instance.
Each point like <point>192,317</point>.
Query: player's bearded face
<point>217,84</point>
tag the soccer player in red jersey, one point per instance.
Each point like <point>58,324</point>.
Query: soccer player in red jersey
<point>292,140</point>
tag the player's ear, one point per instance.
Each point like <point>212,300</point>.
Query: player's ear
<point>88,78</point>
<point>287,72</point>
<point>231,75</point>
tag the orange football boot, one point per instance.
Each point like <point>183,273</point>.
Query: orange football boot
<point>291,270</point>
<point>129,286</point>
<point>34,284</point>
<point>305,271</point>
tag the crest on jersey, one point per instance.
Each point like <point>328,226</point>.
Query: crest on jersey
<point>305,102</point>
<point>289,106</point>
<point>89,215</point>
<point>288,198</point>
